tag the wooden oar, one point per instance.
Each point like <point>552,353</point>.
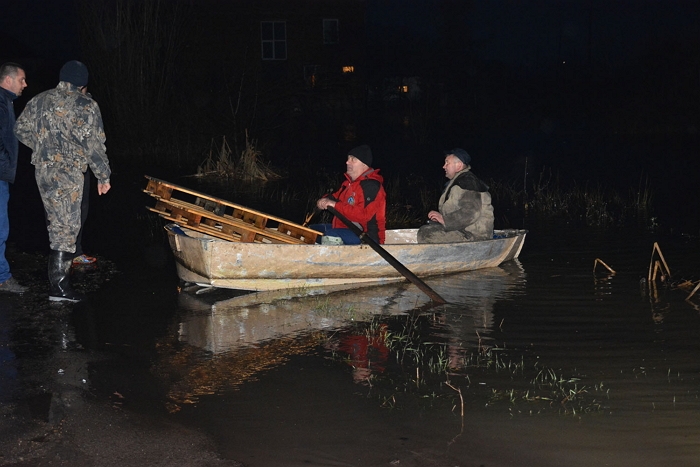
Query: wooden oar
<point>389,258</point>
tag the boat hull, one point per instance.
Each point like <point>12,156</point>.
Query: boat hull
<point>208,261</point>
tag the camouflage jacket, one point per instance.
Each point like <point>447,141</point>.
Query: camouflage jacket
<point>465,205</point>
<point>63,127</point>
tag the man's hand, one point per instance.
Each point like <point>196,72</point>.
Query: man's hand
<point>436,217</point>
<point>323,203</point>
<point>103,188</point>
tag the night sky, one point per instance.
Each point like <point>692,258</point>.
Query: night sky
<point>524,33</point>
<point>40,29</point>
<point>639,55</point>
<point>531,32</point>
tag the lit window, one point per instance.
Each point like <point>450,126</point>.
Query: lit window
<point>348,69</point>
<point>330,31</point>
<point>273,36</point>
<point>403,89</point>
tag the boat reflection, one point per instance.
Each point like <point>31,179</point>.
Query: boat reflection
<point>221,343</point>
<point>251,319</point>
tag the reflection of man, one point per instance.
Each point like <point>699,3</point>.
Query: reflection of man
<point>464,211</point>
<point>63,127</point>
<point>12,82</point>
<point>361,198</point>
<point>366,353</point>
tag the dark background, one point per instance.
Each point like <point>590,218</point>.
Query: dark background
<point>598,92</point>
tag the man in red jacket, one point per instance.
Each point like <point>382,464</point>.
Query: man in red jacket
<point>361,199</point>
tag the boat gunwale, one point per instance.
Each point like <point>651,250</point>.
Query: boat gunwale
<point>205,271</point>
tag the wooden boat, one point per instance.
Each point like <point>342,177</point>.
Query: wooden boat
<point>211,262</point>
<point>217,243</point>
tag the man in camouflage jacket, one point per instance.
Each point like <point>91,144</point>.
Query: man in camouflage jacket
<point>63,127</point>
<point>465,211</point>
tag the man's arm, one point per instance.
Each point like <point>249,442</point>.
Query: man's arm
<point>4,123</point>
<point>24,127</point>
<point>96,149</point>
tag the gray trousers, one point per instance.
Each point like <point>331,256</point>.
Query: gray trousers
<point>436,233</point>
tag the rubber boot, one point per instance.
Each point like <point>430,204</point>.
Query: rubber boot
<point>59,278</point>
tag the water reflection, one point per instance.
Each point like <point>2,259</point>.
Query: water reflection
<point>222,343</point>
<point>250,320</point>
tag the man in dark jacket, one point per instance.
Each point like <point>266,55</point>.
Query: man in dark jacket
<point>12,82</point>
<point>361,199</point>
<point>464,211</point>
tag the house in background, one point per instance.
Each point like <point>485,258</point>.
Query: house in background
<point>319,41</point>
<point>277,64</point>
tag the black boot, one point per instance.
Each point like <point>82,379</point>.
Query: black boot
<point>59,278</point>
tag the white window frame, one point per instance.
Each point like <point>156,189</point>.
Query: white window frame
<point>274,47</point>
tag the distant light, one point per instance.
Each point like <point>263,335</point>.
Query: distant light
<point>403,88</point>
<point>564,62</point>
<point>349,69</point>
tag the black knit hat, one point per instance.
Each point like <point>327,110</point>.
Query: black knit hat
<point>460,154</point>
<point>362,153</point>
<point>74,72</point>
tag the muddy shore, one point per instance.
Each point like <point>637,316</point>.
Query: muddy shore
<point>50,413</point>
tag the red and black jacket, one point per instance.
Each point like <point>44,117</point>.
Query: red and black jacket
<point>363,201</point>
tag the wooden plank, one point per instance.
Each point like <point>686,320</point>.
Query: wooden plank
<point>216,208</point>
<point>219,229</point>
<point>228,228</point>
<point>163,189</point>
<point>213,232</point>
<point>291,230</point>
<point>159,189</point>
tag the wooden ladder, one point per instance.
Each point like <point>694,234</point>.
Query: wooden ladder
<point>222,219</point>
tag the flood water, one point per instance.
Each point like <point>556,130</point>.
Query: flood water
<point>548,360</point>
<point>555,365</point>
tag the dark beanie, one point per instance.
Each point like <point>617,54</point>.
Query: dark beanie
<point>74,72</point>
<point>362,153</point>
<point>460,154</point>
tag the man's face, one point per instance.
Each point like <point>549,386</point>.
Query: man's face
<point>16,83</point>
<point>452,166</point>
<point>355,167</point>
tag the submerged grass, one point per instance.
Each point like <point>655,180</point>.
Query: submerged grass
<point>402,369</point>
<point>533,389</point>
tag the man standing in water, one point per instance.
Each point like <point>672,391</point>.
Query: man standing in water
<point>464,211</point>
<point>63,127</point>
<point>12,82</point>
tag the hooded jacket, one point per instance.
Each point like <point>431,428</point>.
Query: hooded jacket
<point>63,127</point>
<point>465,206</point>
<point>363,201</point>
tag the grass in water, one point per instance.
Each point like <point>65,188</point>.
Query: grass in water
<point>400,368</point>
